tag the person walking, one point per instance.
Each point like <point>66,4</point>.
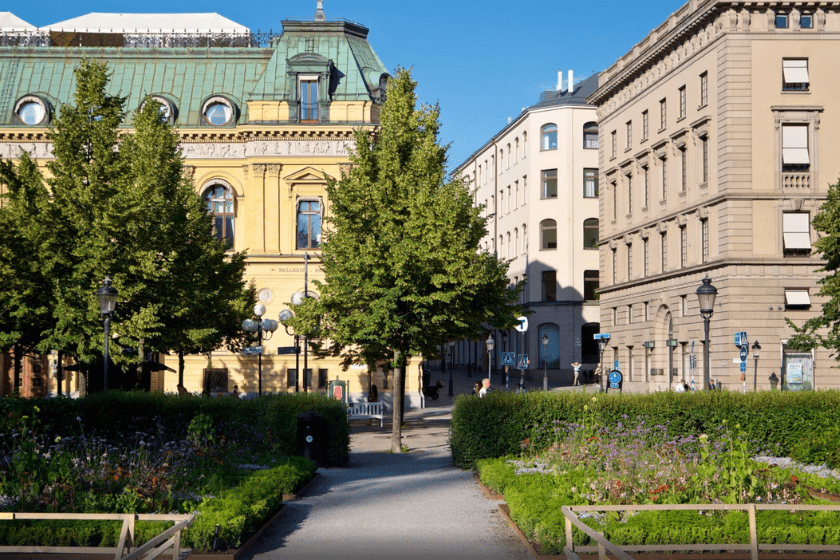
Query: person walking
<point>576,369</point>
<point>485,387</point>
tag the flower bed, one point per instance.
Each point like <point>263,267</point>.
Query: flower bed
<point>226,459</point>
<point>632,461</point>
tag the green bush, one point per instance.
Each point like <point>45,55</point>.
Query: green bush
<point>822,446</point>
<point>773,420</point>
<point>240,511</point>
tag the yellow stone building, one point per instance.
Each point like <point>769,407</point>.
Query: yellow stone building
<point>263,120</point>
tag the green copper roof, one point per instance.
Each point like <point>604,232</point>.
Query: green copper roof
<point>189,76</point>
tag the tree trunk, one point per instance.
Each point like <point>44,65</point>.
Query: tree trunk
<point>16,384</point>
<point>397,391</point>
<point>180,368</point>
<point>402,370</point>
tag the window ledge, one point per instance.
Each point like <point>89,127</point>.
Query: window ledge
<point>703,106</point>
<point>661,130</point>
<point>682,118</point>
<point>796,91</point>
<point>663,202</point>
<point>643,140</point>
<point>627,149</point>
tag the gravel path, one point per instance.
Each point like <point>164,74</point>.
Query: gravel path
<point>788,463</point>
<point>411,505</point>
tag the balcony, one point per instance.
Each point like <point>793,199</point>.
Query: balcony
<point>796,180</point>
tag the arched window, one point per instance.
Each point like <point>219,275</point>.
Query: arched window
<point>516,242</point>
<point>309,224</point>
<point>588,346</point>
<point>501,160</point>
<point>508,159</point>
<point>510,254</point>
<point>549,137</point>
<point>550,354</point>
<point>516,150</point>
<point>590,136</point>
<point>524,145</point>
<point>590,233</point>
<point>548,234</point>
<point>501,247</point>
<point>219,200</point>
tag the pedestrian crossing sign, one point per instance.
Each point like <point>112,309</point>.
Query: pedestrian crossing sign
<point>522,362</point>
<point>508,359</point>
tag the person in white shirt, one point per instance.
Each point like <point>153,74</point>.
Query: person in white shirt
<point>680,388</point>
<point>485,387</point>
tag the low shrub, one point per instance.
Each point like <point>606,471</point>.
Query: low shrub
<point>819,447</point>
<point>775,421</point>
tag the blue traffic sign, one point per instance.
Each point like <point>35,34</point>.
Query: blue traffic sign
<point>522,363</point>
<point>605,335</point>
<point>744,352</point>
<point>743,367</point>
<point>508,359</point>
<point>615,364</point>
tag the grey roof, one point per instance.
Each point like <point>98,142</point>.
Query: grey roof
<point>583,90</point>
<point>9,21</point>
<point>97,22</point>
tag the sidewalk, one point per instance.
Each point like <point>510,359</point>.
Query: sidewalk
<point>413,505</point>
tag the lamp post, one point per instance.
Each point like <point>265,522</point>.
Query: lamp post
<point>260,326</point>
<point>706,294</point>
<point>504,349</point>
<point>545,361</point>
<point>107,302</point>
<point>756,351</point>
<point>602,345</point>
<point>490,345</point>
<point>284,318</point>
<point>451,381</point>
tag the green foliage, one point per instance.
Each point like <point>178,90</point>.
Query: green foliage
<point>116,204</point>
<point>496,425</point>
<point>819,447</point>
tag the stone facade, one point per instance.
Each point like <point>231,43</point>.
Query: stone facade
<point>531,179</point>
<point>717,145</point>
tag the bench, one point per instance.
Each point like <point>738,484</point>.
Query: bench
<point>367,410</point>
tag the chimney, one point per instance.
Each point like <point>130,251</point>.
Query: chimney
<point>559,80</point>
<point>319,11</point>
<point>571,82</point>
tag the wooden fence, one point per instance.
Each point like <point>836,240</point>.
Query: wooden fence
<point>754,547</point>
<point>166,543</point>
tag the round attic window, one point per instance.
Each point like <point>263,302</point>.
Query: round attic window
<point>32,111</point>
<point>166,109</point>
<point>218,111</point>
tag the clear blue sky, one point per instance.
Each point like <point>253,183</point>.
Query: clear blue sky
<point>481,61</point>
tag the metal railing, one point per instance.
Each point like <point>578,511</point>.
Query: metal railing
<point>169,541</point>
<point>754,547</point>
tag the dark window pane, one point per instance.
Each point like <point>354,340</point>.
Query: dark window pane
<point>316,230</point>
<point>303,231</point>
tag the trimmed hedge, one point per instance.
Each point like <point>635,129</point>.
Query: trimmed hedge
<point>496,425</point>
<point>119,412</point>
<point>239,511</point>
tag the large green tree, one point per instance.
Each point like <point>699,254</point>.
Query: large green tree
<point>824,330</point>
<point>403,269</point>
<point>120,204</point>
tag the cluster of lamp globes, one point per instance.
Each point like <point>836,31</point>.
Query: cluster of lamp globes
<point>270,325</point>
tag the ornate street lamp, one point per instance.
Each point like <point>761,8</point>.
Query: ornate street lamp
<point>260,326</point>
<point>505,371</point>
<point>490,345</point>
<point>603,340</point>
<point>285,316</point>
<point>107,295</point>
<point>706,294</point>
<point>756,351</point>
<point>545,361</point>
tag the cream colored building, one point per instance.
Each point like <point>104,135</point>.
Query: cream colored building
<point>719,137</point>
<point>537,180</point>
<point>263,122</point>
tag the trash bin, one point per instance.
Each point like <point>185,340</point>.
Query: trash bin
<point>311,437</point>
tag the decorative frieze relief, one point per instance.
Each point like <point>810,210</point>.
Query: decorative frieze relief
<point>38,150</point>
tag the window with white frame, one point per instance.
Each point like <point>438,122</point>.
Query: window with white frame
<point>590,136</point>
<point>549,184</point>
<point>645,125</point>
<point>309,224</point>
<point>795,156</point>
<point>548,234</point>
<point>704,228</point>
<point>629,142</point>
<point>704,89</point>
<point>683,247</point>
<point>645,186</point>
<point>796,229</point>
<point>612,144</point>
<point>629,193</point>
<point>682,102</point>
<point>646,249</point>
<point>795,74</point>
<point>220,206</point>
<point>308,99</point>
<point>549,137</point>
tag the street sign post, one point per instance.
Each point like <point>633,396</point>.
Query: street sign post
<point>508,359</point>
<point>522,362</point>
<point>252,350</point>
<point>523,324</point>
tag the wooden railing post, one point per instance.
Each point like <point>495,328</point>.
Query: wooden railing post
<point>569,542</point>
<point>602,551</point>
<point>753,532</point>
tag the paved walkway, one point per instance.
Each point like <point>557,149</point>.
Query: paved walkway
<point>413,505</point>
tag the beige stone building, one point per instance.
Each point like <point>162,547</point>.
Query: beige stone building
<point>537,180</point>
<point>718,142</point>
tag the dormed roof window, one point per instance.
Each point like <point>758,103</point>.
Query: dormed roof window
<point>218,111</point>
<point>32,110</point>
<point>168,111</point>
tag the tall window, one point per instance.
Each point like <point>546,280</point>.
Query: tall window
<point>516,150</point>
<point>646,249</point>
<point>590,233</point>
<point>515,195</point>
<point>508,158</point>
<point>645,125</point>
<point>664,251</point>
<point>683,247</point>
<point>629,143</point>
<point>220,206</point>
<point>309,100</point>
<point>590,136</point>
<point>704,229</point>
<point>612,144</point>
<point>549,183</point>
<point>629,194</point>
<point>795,156</point>
<point>614,186</point>
<point>549,137</point>
<point>309,224</point>
<point>549,282</point>
<point>524,145</point>
<point>682,102</point>
<point>629,261</point>
<point>645,186</point>
<point>501,202</point>
<point>704,89</point>
<point>590,183</point>
<point>664,162</point>
<point>516,242</point>
<point>590,285</point>
<point>683,169</point>
<point>663,114</point>
<point>614,266</point>
<point>550,354</point>
<point>796,233</point>
<point>704,147</point>
<point>548,234</point>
